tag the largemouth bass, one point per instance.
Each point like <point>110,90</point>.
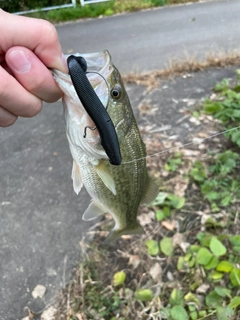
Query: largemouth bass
<point>118,190</point>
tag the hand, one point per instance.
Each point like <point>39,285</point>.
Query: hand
<point>28,47</point>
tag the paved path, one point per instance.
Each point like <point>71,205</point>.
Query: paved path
<point>41,222</point>
<point>147,40</point>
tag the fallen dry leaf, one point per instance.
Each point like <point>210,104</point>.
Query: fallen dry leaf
<point>169,225</point>
<point>156,272</point>
<point>203,288</point>
<point>39,291</point>
<point>146,218</point>
<point>134,260</point>
<point>80,316</point>
<point>177,239</point>
<point>49,314</point>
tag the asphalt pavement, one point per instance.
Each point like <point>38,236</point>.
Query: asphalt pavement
<point>41,223</point>
<point>147,40</point>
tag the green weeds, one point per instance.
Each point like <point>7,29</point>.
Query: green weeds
<point>187,266</point>
<point>101,9</point>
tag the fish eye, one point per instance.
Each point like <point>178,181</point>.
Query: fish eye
<point>116,92</point>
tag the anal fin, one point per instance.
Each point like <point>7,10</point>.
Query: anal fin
<point>93,211</point>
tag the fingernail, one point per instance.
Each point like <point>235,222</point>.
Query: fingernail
<point>19,61</point>
<point>64,61</point>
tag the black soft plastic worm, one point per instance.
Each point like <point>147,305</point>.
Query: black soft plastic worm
<point>77,70</point>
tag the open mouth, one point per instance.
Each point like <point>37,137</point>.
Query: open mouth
<point>79,67</point>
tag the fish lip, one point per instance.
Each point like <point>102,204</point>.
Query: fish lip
<point>95,109</point>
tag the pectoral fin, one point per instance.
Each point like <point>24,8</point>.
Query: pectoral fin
<point>151,192</point>
<point>93,211</point>
<point>76,177</point>
<point>106,177</point>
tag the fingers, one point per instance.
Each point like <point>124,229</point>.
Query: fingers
<point>38,35</point>
<point>32,74</point>
<point>28,47</point>
<point>15,99</point>
<point>6,118</point>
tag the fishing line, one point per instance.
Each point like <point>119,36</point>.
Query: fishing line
<point>107,104</point>
<point>184,145</point>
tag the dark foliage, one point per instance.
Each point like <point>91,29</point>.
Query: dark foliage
<point>16,5</point>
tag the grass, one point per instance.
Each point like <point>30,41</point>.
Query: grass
<point>102,9</point>
<point>187,265</point>
<point>178,67</point>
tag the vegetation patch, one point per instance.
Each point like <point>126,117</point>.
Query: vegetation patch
<point>177,67</point>
<point>88,11</point>
<point>187,265</point>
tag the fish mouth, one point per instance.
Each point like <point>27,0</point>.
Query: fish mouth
<point>78,69</point>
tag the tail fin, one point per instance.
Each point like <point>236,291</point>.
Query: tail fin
<point>117,233</point>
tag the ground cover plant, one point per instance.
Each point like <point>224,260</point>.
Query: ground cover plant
<point>98,10</point>
<point>187,265</point>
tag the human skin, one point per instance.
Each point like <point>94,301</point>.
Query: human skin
<point>28,49</point>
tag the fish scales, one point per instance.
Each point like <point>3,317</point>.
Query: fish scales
<point>118,190</point>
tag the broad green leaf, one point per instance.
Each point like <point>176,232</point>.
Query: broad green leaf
<point>224,313</point>
<point>212,263</point>
<point>235,302</point>
<point>236,249</point>
<point>164,313</point>
<point>119,278</point>
<point>193,315</point>
<point>213,300</point>
<point>190,297</point>
<point>212,195</point>
<point>226,200</point>
<point>224,266</point>
<point>235,277</point>
<point>223,85</point>
<point>204,238</point>
<point>182,265</point>
<point>235,240</point>
<point>160,199</point>
<point>204,256</point>
<point>222,292</point>
<point>176,202</point>
<point>176,297</point>
<point>166,246</point>
<point>194,248</point>
<point>160,215</point>
<point>153,248</point>
<point>217,248</point>
<point>202,313</point>
<point>178,313</point>
<point>191,308</point>
<point>212,107</point>
<point>198,174</point>
<point>216,276</point>
<point>144,295</point>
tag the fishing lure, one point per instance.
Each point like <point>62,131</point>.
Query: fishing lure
<point>77,70</point>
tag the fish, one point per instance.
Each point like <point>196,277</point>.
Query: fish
<point>117,190</point>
